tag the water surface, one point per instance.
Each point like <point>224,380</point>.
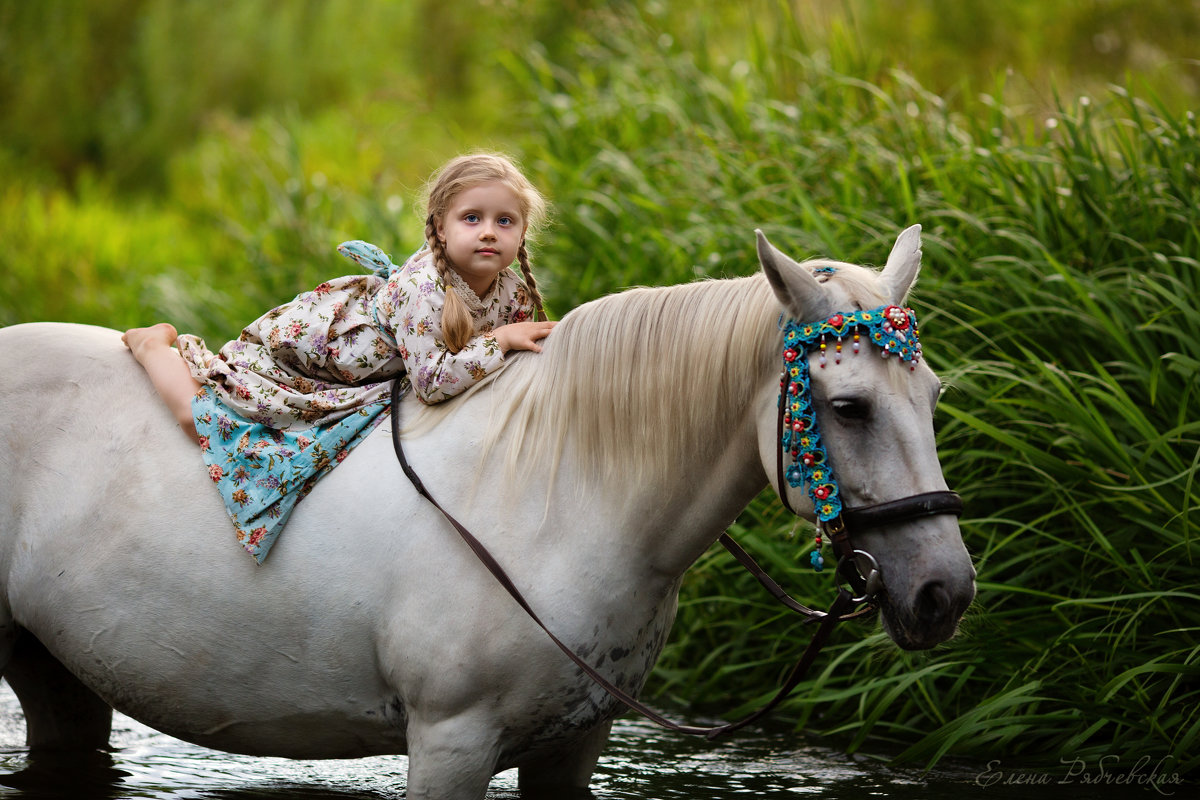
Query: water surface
<point>642,762</point>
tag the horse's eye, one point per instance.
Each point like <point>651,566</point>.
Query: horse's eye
<point>852,408</point>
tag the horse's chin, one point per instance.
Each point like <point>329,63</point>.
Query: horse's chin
<point>908,634</point>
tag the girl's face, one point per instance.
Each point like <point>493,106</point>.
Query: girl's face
<point>482,231</point>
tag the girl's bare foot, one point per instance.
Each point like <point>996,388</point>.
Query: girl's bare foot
<point>138,339</point>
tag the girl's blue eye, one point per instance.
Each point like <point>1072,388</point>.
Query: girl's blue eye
<point>472,218</point>
<point>506,221</point>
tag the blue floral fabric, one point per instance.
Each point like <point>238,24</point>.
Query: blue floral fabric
<point>263,472</point>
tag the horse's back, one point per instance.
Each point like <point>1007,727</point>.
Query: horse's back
<point>66,377</point>
<point>72,399</point>
<point>34,351</point>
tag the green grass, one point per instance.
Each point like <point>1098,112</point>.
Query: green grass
<point>1058,302</point>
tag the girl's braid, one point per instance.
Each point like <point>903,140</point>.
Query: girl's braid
<point>439,249</point>
<point>457,326</point>
<point>530,283</point>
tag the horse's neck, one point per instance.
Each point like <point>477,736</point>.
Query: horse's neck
<point>646,402</point>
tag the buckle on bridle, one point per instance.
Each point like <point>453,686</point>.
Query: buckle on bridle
<point>865,577</point>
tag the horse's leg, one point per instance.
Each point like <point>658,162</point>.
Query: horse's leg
<point>60,712</point>
<point>450,760</point>
<point>567,772</point>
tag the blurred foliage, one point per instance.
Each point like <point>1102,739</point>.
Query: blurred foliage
<point>199,161</point>
<point>120,86</point>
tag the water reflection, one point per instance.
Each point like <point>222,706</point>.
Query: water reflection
<point>645,762</point>
<point>641,763</point>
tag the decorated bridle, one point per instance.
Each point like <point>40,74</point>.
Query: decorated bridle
<point>803,460</point>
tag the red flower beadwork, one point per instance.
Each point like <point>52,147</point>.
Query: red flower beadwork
<point>897,316</point>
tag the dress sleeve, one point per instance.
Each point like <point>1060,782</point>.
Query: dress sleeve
<point>516,305</point>
<point>436,373</point>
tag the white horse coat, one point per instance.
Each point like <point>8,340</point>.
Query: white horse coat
<point>596,473</point>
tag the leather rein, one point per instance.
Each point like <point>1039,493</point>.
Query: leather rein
<point>857,567</point>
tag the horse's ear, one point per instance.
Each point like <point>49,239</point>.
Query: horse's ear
<point>794,285</point>
<point>902,265</point>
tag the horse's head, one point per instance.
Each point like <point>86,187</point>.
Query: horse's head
<point>857,430</point>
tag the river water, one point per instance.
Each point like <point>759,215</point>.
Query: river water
<point>641,763</point>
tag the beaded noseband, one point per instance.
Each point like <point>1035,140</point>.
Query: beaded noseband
<point>893,330</point>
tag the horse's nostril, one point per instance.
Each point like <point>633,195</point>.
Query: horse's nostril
<point>933,603</point>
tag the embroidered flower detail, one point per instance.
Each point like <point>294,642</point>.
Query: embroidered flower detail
<point>897,317</point>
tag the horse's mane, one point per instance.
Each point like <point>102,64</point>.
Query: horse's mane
<point>629,377</point>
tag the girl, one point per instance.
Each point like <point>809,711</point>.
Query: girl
<point>280,406</point>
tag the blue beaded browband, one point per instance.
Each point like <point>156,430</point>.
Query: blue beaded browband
<point>890,328</point>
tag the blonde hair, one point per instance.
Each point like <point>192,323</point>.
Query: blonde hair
<point>602,378</point>
<point>458,175</point>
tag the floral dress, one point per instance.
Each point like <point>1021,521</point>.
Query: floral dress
<point>284,403</point>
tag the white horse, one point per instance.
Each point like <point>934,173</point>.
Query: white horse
<point>595,472</point>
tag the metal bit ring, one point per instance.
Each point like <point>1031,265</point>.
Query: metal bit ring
<point>871,581</point>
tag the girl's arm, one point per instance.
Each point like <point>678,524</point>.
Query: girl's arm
<point>438,374</point>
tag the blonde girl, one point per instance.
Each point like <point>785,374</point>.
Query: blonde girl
<point>288,399</point>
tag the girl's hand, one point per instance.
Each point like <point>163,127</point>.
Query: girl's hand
<point>522,335</point>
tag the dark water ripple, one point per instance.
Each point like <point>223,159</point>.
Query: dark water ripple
<point>641,763</point>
